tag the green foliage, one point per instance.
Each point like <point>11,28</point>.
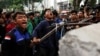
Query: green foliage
<point>2,4</point>
<point>37,0</point>
<point>9,4</point>
<point>92,3</point>
<point>15,4</point>
<point>76,3</point>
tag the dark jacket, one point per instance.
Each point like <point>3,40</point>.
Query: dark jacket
<point>2,32</point>
<point>41,30</point>
<point>16,43</point>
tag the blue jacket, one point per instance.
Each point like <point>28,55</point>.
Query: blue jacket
<point>62,30</point>
<point>41,30</point>
<point>16,43</point>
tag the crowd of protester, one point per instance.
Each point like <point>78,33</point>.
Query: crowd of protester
<point>20,33</point>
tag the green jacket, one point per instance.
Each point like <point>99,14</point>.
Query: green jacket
<point>30,27</point>
<point>37,20</point>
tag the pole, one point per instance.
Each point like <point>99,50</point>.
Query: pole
<point>59,26</point>
<point>55,4</point>
<point>28,4</point>
<point>50,33</point>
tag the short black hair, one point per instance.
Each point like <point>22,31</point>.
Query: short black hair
<point>1,10</point>
<point>97,7</point>
<point>73,11</point>
<point>19,12</point>
<point>31,13</point>
<point>8,15</point>
<point>36,12</point>
<point>55,12</point>
<point>88,8</point>
<point>45,11</point>
<point>81,8</point>
<point>81,11</point>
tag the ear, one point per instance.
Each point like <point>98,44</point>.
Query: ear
<point>44,15</point>
<point>14,21</point>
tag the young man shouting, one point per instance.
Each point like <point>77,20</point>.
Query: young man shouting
<point>17,41</point>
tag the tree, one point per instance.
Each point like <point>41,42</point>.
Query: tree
<point>2,4</point>
<point>90,2</point>
<point>76,4</point>
<point>16,4</point>
<point>37,0</point>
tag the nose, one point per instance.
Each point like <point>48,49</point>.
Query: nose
<point>24,18</point>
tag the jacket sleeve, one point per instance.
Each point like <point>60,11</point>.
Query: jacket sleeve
<point>37,29</point>
<point>7,45</point>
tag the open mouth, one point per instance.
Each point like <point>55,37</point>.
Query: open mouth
<point>24,22</point>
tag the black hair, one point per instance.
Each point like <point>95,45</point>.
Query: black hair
<point>88,8</point>
<point>31,13</point>
<point>45,11</point>
<point>73,11</point>
<point>1,10</point>
<point>81,8</point>
<point>97,7</point>
<point>16,13</point>
<point>8,15</point>
<point>55,12</point>
<point>36,12</point>
<point>81,11</point>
